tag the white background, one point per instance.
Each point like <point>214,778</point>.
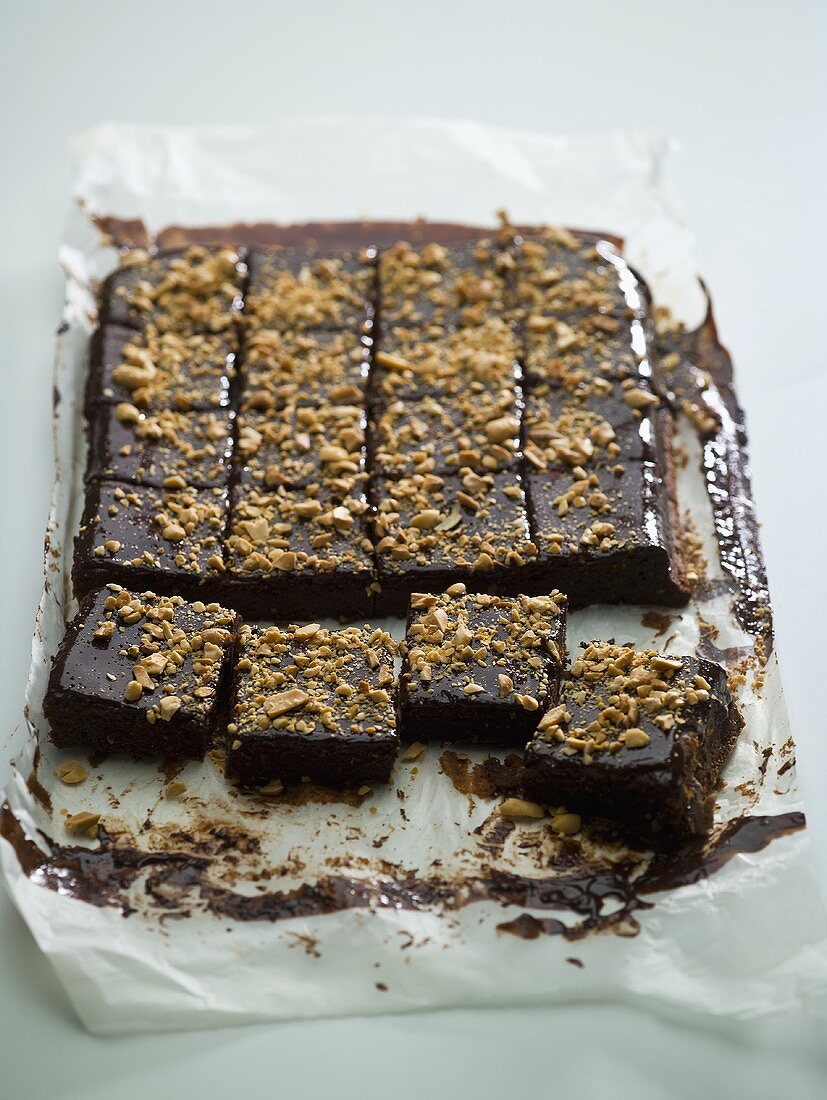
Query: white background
<point>743,87</point>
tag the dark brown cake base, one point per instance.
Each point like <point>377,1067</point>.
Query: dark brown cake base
<point>331,761</point>
<point>297,599</point>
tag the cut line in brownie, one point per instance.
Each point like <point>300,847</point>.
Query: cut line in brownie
<point>639,737</point>
<point>167,449</point>
<point>142,674</point>
<point>294,291</point>
<point>140,535</point>
<point>155,371</point>
<point>478,668</point>
<point>195,290</point>
<point>432,531</point>
<point>296,553</point>
<point>319,368</point>
<point>316,703</point>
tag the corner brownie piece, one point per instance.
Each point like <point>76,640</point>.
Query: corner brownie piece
<point>313,702</point>
<point>198,290</point>
<point>441,285</point>
<point>296,291</point>
<point>168,449</point>
<point>320,368</point>
<point>479,668</point>
<point>434,530</point>
<point>293,553</point>
<point>637,736</point>
<point>155,371</point>
<point>142,674</point>
<point>144,537</point>
<point>559,273</point>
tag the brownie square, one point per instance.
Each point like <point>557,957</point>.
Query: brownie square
<point>608,537</point>
<point>167,449</point>
<point>637,736</point>
<point>569,352</point>
<point>292,553</point>
<point>197,290</point>
<point>434,530</point>
<point>588,428</point>
<point>306,369</point>
<point>142,674</point>
<point>479,668</point>
<point>296,291</point>
<point>313,702</point>
<point>450,286</point>
<point>559,273</point>
<point>142,536</point>
<point>302,444</point>
<point>478,428</point>
<point>155,371</point>
<point>414,363</point>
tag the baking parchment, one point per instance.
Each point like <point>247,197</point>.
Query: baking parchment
<point>748,939</point>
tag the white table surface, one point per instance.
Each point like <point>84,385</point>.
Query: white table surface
<point>743,87</point>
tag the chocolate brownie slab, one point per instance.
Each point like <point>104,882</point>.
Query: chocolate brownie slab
<point>141,536</point>
<point>479,668</point>
<point>434,530</point>
<point>637,736</point>
<point>197,290</point>
<point>313,702</point>
<point>438,285</point>
<point>167,449</point>
<point>142,674</point>
<point>292,553</point>
<point>283,369</point>
<point>155,371</point>
<point>296,291</point>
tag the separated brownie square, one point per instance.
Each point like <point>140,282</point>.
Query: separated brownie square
<point>302,444</point>
<point>433,530</point>
<point>142,674</point>
<point>313,702</point>
<point>142,536</point>
<point>303,369</point>
<point>155,371</point>
<point>199,290</point>
<point>459,285</point>
<point>479,668</point>
<point>291,552</point>
<point>296,291</point>
<point>638,737</point>
<point>166,449</point>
